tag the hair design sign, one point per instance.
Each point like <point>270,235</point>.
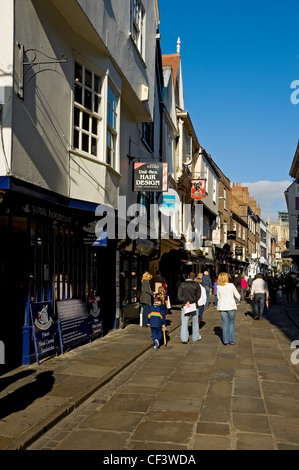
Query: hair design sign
<point>150,177</point>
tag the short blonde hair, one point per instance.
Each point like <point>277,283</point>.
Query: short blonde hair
<point>222,279</point>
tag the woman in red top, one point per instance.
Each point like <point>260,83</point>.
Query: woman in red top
<point>244,287</point>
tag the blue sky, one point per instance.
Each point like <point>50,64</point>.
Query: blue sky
<point>239,58</point>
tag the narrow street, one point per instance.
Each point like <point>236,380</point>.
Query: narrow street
<point>199,396</point>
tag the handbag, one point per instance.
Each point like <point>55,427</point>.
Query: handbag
<point>189,308</point>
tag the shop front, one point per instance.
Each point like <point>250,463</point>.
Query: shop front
<point>48,253</point>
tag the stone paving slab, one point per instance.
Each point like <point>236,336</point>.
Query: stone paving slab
<point>197,396</point>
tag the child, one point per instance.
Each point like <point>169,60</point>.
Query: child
<point>156,320</point>
<point>163,297</point>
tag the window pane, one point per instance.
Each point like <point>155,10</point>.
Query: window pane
<point>78,93</point>
<point>78,72</point>
<point>96,104</point>
<point>97,84</point>
<point>76,139</point>
<point>87,100</point>
<point>76,117</point>
<point>93,146</point>
<point>94,126</point>
<point>85,142</point>
<point>88,78</point>
<point>85,123</point>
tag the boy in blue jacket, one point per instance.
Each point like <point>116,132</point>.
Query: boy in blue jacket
<point>156,320</point>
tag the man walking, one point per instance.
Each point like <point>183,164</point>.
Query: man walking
<point>207,284</point>
<point>189,293</point>
<point>259,294</point>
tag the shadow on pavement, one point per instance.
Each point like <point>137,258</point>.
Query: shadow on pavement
<point>21,398</point>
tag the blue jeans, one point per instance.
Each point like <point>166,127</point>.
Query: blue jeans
<point>145,308</point>
<point>208,290</point>
<point>259,304</point>
<point>184,327</point>
<point>200,311</point>
<point>228,325</point>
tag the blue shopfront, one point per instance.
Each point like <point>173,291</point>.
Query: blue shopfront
<point>49,254</point>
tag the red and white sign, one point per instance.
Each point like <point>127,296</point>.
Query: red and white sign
<point>198,189</point>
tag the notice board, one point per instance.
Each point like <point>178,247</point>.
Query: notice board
<point>73,322</point>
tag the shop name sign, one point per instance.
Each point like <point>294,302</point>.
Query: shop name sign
<point>46,212</point>
<point>150,177</point>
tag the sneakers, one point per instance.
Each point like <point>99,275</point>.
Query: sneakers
<point>157,344</point>
<point>231,342</point>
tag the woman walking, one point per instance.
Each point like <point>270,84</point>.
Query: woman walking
<point>227,297</point>
<point>147,296</point>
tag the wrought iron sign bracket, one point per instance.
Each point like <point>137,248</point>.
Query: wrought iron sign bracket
<point>30,58</point>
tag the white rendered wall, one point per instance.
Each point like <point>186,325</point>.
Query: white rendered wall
<point>6,82</point>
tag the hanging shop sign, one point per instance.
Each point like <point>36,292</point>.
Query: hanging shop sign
<point>231,235</point>
<point>43,329</point>
<point>171,203</point>
<point>198,189</point>
<point>150,177</point>
<point>216,237</point>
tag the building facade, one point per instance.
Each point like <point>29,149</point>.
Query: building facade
<point>78,80</point>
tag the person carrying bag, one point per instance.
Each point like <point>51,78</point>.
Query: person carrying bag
<point>189,293</point>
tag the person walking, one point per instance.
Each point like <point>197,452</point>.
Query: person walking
<point>297,288</point>
<point>227,306</point>
<point>156,321</point>
<point>237,282</point>
<point>260,295</point>
<point>207,284</point>
<point>202,301</point>
<point>215,284</point>
<point>244,287</point>
<point>146,298</point>
<point>289,287</point>
<point>189,294</point>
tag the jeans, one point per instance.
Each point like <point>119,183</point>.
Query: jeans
<point>208,290</point>
<point>228,325</point>
<point>200,311</point>
<point>259,304</point>
<point>184,327</point>
<point>145,308</point>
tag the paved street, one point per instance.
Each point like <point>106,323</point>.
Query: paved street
<point>197,396</point>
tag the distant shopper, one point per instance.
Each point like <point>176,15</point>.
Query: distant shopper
<point>289,287</point>
<point>244,287</point>
<point>215,284</point>
<point>202,301</point>
<point>156,321</point>
<point>227,306</point>
<point>260,295</point>
<point>207,284</point>
<point>237,282</point>
<point>146,298</point>
<point>189,294</point>
<point>297,288</point>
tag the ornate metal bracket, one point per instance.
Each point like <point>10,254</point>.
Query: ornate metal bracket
<point>30,58</point>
